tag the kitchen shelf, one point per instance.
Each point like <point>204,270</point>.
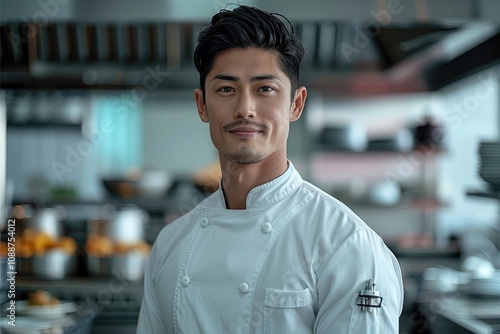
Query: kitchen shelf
<point>56,202</point>
<point>421,252</point>
<point>407,201</point>
<point>485,194</point>
<point>44,125</point>
<point>325,150</point>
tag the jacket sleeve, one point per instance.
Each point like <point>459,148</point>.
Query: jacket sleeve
<point>150,317</point>
<point>345,273</point>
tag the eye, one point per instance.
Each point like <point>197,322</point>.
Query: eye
<point>266,89</point>
<point>226,89</point>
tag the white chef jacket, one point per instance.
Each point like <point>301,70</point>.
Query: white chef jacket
<point>294,261</point>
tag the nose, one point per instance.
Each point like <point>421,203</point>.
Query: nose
<point>245,106</point>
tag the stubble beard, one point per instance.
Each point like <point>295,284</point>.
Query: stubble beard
<point>244,156</point>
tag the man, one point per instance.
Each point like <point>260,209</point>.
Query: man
<point>268,252</point>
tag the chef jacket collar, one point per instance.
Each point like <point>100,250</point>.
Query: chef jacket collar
<point>270,192</point>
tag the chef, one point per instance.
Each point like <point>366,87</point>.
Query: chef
<point>268,252</point>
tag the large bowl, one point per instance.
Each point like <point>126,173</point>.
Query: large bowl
<point>121,188</point>
<point>151,183</point>
<point>154,183</point>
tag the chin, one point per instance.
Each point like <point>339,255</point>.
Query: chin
<point>245,157</point>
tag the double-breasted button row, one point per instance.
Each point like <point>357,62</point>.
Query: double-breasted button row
<point>265,228</point>
<point>243,287</point>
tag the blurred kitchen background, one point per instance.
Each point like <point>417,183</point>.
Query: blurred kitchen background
<point>101,145</point>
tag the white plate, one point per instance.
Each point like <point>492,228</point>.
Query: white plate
<point>25,325</point>
<point>46,312</point>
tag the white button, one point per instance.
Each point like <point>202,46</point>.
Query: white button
<point>266,228</point>
<point>204,222</point>
<point>244,287</point>
<point>185,280</point>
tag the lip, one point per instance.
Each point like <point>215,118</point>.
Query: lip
<point>244,131</point>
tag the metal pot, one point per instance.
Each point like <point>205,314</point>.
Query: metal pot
<point>55,264</point>
<point>48,220</point>
<point>127,227</point>
<point>129,266</point>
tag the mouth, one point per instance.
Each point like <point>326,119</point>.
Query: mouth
<point>245,132</point>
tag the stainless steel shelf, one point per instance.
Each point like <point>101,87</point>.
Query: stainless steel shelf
<point>44,125</point>
<point>485,194</point>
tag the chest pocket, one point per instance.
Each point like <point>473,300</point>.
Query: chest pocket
<point>288,311</point>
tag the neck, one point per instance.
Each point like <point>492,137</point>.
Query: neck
<point>238,180</point>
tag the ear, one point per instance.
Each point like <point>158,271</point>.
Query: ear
<point>298,103</point>
<point>200,104</point>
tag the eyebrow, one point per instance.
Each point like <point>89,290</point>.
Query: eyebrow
<point>228,77</point>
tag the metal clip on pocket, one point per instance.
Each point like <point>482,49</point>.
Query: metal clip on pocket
<point>369,298</point>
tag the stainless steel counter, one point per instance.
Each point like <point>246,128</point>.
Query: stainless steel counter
<point>453,312</point>
<point>112,302</point>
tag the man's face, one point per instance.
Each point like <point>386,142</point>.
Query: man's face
<point>247,105</point>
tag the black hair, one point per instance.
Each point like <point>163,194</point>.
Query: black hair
<point>245,27</point>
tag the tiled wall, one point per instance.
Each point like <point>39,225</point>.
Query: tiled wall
<point>40,157</point>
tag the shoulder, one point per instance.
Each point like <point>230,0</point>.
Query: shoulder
<point>340,231</point>
<point>331,223</point>
<point>333,212</point>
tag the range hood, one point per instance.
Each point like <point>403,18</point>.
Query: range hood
<point>364,47</point>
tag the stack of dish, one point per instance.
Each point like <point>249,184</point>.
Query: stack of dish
<point>484,287</point>
<point>41,313</point>
<point>489,168</point>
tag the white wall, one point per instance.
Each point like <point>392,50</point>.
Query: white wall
<point>175,139</point>
<point>472,115</point>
